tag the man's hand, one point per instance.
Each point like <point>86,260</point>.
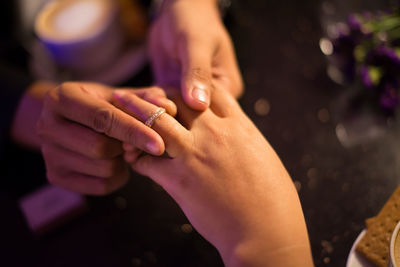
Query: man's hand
<point>82,133</point>
<point>191,49</point>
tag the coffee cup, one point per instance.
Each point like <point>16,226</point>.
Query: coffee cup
<point>81,36</point>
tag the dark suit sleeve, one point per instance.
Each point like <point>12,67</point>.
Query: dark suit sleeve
<point>13,69</point>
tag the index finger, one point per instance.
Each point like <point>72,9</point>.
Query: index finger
<point>80,103</point>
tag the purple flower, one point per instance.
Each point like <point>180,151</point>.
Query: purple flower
<point>389,53</point>
<point>354,22</point>
<point>383,56</point>
<point>366,52</point>
<point>365,77</point>
<point>389,98</point>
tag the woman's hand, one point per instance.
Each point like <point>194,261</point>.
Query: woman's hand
<point>229,182</point>
<point>191,49</point>
<point>82,133</point>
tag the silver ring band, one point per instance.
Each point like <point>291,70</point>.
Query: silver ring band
<point>150,121</point>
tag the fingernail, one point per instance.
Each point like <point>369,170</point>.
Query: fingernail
<point>153,148</point>
<point>201,95</point>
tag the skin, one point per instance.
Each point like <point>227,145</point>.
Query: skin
<point>191,49</point>
<point>27,114</point>
<point>81,134</point>
<point>228,181</point>
<point>188,44</point>
<point>222,172</point>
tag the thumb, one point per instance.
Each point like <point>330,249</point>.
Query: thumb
<point>196,60</point>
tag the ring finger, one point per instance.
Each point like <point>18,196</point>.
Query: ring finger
<point>175,136</point>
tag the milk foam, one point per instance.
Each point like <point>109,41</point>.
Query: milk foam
<point>77,18</point>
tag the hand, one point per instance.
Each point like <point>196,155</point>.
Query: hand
<point>229,182</point>
<point>191,49</point>
<point>81,134</point>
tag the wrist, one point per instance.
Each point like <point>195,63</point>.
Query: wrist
<point>276,237</point>
<point>23,129</point>
<point>259,254</point>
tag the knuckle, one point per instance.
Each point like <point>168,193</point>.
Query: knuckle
<point>156,91</point>
<point>150,95</point>
<point>147,94</point>
<point>200,74</point>
<point>103,119</point>
<point>64,94</point>
<point>61,93</point>
<point>65,87</point>
<point>68,84</point>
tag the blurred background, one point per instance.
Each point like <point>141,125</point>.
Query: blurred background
<point>342,174</point>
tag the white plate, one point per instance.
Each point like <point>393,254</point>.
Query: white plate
<point>355,259</point>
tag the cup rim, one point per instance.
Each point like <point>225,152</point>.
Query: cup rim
<point>44,34</point>
<point>392,242</point>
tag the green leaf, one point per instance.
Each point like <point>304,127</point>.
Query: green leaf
<point>375,74</point>
<point>360,53</point>
<point>397,51</point>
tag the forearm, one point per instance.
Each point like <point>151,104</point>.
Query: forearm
<point>276,236</point>
<point>257,251</point>
<point>250,255</point>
